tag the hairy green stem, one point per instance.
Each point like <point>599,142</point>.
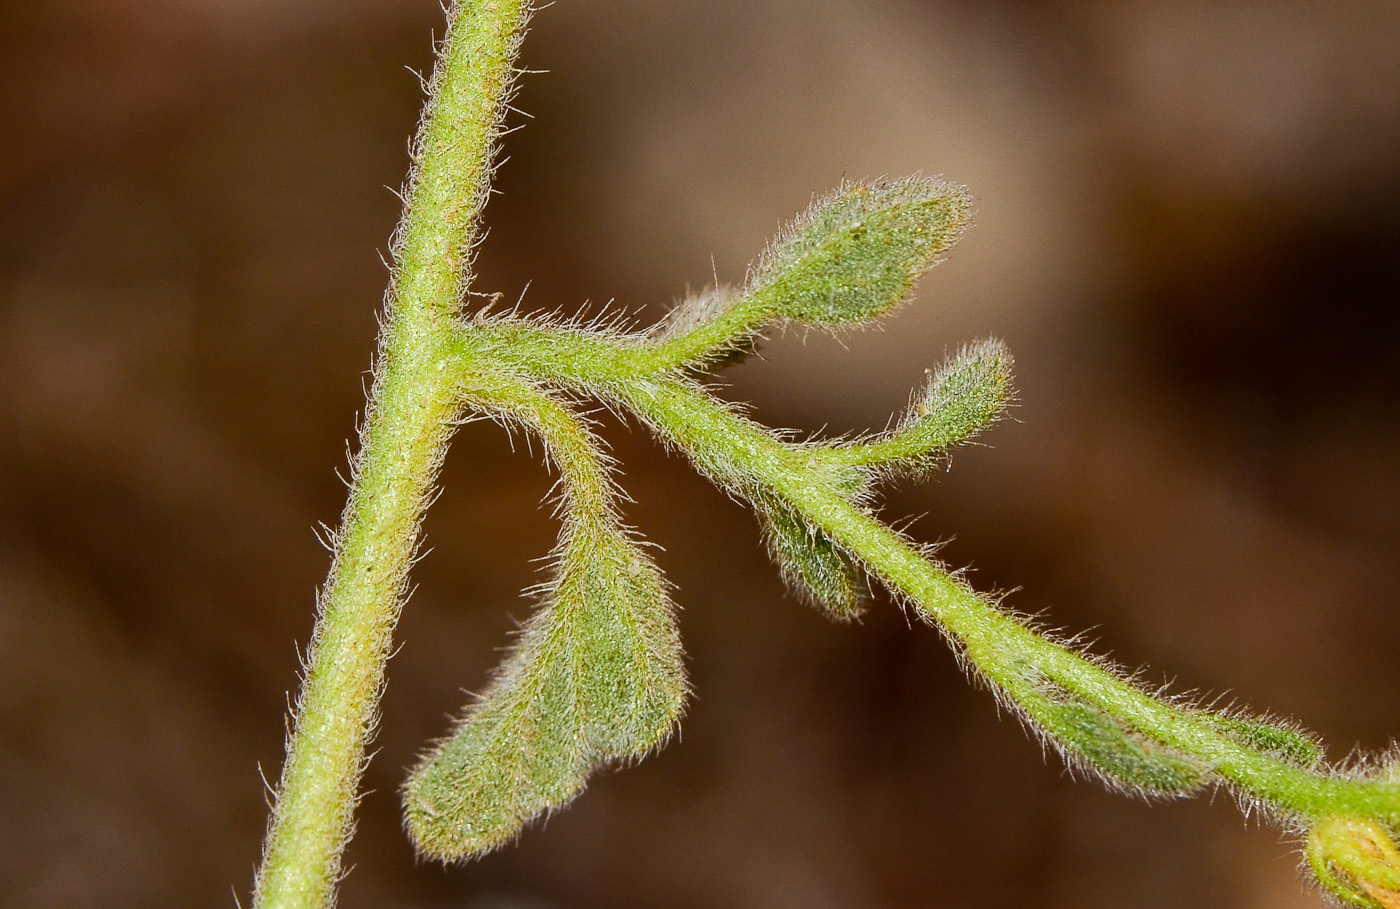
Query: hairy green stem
<point>1001,648</point>
<point>735,452</point>
<point>413,405</point>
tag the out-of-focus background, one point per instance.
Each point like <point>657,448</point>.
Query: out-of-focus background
<point>1187,232</point>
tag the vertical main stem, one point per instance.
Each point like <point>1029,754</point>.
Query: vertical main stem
<point>413,404</point>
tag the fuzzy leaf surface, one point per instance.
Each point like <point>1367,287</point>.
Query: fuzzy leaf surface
<point>856,254</point>
<point>597,677</point>
<point>810,561</point>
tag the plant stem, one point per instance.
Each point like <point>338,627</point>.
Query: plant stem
<point>1005,651</point>
<point>740,455</point>
<point>414,402</point>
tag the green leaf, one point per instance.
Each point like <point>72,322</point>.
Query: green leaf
<point>856,254</point>
<point>810,562</point>
<point>597,677</point>
<point>1102,744</point>
<point>962,397</point>
<point>1284,742</point>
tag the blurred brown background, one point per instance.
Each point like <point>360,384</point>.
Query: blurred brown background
<point>1187,232</point>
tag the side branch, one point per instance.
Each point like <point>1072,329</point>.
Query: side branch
<point>1012,657</point>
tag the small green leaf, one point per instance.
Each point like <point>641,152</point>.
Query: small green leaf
<point>810,562</point>
<point>962,397</point>
<point>1276,739</point>
<point>1102,744</point>
<point>597,677</point>
<point>856,254</point>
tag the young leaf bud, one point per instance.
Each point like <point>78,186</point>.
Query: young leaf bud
<point>856,254</point>
<point>1356,859</point>
<point>696,310</point>
<point>962,397</point>
<point>812,564</point>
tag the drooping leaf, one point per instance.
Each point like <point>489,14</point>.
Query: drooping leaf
<point>596,677</point>
<point>811,563</point>
<point>1102,744</point>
